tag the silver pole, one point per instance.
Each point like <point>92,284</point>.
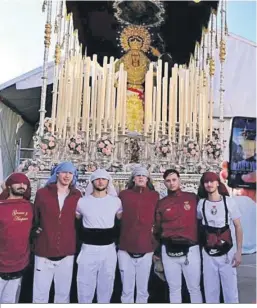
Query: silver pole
<point>48,29</point>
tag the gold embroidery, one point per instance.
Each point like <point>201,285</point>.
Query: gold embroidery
<point>135,41</point>
<point>19,216</point>
<point>135,113</point>
<point>139,33</point>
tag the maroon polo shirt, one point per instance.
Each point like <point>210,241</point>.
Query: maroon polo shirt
<point>137,222</point>
<point>176,216</point>
<point>16,216</point>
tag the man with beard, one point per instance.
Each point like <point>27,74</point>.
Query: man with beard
<point>98,258</point>
<point>55,245</point>
<point>16,215</point>
<point>176,230</point>
<point>219,214</point>
<point>137,243</point>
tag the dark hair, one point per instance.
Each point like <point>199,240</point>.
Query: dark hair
<point>203,194</point>
<point>131,184</point>
<point>169,171</point>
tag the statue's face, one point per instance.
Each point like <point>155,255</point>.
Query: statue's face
<point>135,57</point>
<point>135,43</point>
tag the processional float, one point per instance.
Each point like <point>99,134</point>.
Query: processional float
<point>130,110</point>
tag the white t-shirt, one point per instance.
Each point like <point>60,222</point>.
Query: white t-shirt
<point>61,199</point>
<point>98,213</point>
<point>215,213</point>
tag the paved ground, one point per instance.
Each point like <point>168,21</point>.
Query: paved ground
<point>247,279</point>
<point>158,289</point>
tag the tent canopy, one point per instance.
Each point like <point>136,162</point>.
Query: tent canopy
<point>23,94</point>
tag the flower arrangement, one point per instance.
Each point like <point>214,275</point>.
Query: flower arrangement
<point>104,146</point>
<point>214,147</point>
<point>163,147</point>
<point>47,125</point>
<point>76,145</point>
<point>48,143</point>
<point>88,167</point>
<point>31,165</point>
<point>191,149</point>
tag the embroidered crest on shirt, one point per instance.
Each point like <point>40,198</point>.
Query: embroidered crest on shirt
<point>214,210</point>
<point>187,206</point>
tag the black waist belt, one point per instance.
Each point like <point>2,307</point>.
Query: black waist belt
<point>11,276</point>
<point>98,237</point>
<point>136,255</point>
<point>215,230</point>
<point>56,258</point>
<point>183,242</point>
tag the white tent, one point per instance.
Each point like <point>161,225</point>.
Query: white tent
<point>239,78</point>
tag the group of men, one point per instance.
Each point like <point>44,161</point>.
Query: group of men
<point>181,231</point>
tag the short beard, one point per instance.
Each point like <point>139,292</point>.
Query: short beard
<point>212,192</point>
<point>99,189</point>
<point>17,193</point>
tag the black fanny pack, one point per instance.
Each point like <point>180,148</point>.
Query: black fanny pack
<point>56,258</point>
<point>177,247</point>
<point>98,237</point>
<point>12,276</point>
<point>136,255</point>
<point>217,241</point>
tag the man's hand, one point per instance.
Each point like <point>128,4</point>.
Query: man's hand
<point>38,230</point>
<point>251,177</point>
<point>35,232</point>
<point>156,258</point>
<point>119,215</point>
<point>237,259</point>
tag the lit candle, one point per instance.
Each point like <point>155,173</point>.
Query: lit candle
<point>105,102</point>
<point>171,98</point>
<point>147,92</point>
<point>124,98</point>
<point>86,106</point>
<point>154,114</point>
<point>158,102</point>
<point>88,116</point>
<point>93,94</point>
<point>164,98</point>
<point>113,118</point>
<point>175,99</point>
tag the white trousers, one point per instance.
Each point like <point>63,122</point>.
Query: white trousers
<point>134,271</point>
<point>45,272</point>
<point>96,270</point>
<point>173,269</point>
<point>215,269</point>
<point>18,293</point>
<point>9,291</point>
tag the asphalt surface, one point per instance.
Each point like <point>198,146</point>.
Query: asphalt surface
<point>158,290</point>
<point>247,279</point>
